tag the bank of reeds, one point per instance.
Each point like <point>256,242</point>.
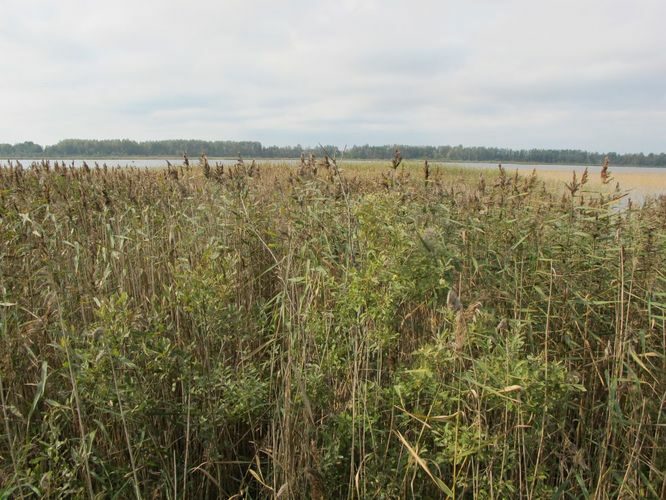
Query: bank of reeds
<point>316,332</point>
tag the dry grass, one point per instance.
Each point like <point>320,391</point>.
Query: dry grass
<point>639,185</point>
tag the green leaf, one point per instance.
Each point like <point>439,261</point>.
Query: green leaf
<point>40,389</point>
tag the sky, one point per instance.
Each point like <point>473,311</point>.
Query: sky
<point>583,74</point>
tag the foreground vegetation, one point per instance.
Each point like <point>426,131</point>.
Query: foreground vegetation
<point>303,332</point>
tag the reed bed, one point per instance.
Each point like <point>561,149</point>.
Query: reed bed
<point>319,331</point>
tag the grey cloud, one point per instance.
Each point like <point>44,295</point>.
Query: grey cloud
<point>642,90</point>
<point>509,73</point>
<point>410,62</point>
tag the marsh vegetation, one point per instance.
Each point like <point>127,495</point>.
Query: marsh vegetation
<point>311,331</point>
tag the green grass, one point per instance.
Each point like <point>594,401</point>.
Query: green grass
<point>168,334</point>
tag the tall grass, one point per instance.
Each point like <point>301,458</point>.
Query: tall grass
<point>317,331</point>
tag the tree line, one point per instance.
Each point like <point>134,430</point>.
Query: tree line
<point>72,148</point>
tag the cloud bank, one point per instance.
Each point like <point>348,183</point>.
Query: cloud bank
<point>510,73</point>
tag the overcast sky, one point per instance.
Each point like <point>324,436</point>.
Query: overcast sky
<point>588,74</point>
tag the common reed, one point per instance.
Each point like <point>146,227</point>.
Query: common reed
<point>293,332</point>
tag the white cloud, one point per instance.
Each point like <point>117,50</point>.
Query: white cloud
<point>510,73</point>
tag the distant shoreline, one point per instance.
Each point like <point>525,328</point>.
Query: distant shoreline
<point>195,159</point>
<point>127,149</point>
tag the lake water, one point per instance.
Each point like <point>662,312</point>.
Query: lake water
<point>638,181</point>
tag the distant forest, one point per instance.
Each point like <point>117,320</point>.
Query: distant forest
<point>78,148</point>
